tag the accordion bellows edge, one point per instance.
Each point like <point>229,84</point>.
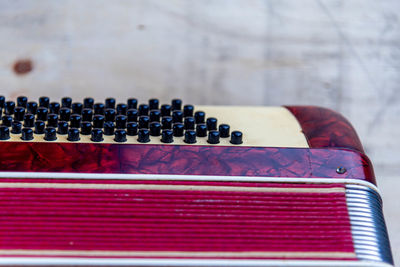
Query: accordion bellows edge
<point>174,185</point>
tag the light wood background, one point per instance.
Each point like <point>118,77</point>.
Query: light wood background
<point>342,54</point>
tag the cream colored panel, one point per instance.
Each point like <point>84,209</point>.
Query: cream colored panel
<point>261,126</point>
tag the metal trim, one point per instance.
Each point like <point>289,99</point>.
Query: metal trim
<point>370,238</point>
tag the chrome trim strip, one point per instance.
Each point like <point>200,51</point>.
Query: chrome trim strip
<point>182,177</point>
<point>370,238</point>
<point>29,261</point>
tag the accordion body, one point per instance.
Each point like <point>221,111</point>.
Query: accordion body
<point>180,185</point>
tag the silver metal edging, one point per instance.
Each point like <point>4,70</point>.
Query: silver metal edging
<point>368,227</point>
<point>188,262</point>
<point>179,177</point>
<point>357,203</point>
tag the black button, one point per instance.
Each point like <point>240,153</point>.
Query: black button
<point>109,114</point>
<point>143,110</point>
<point>177,116</point>
<point>120,136</point>
<point>166,122</point>
<point>86,128</point>
<point>188,110</point>
<point>132,115</point>
<point>155,115</point>
<point>29,120</point>
<point>27,134</point>
<point>22,101</point>
<point>4,132</point>
<point>97,135</point>
<point>176,104</point>
<point>50,134</point>
<point>132,128</point>
<point>54,107</point>
<point>41,114</point>
<point>132,103</point>
<point>16,127</point>
<point>153,103</point>
<point>66,102</point>
<point>155,129</point>
<point>62,127</point>
<point>236,138</point>
<point>190,137</point>
<point>167,136</point>
<point>98,108</point>
<point>9,107</point>
<point>200,117</point>
<point>211,124</point>
<point>73,135</point>
<point>65,114</point>
<point>110,103</point>
<point>166,110</point>
<point>144,136</point>
<point>178,129</point>
<point>109,128</point>
<point>75,121</point>
<point>7,120</point>
<point>87,114</point>
<point>39,127</point>
<point>201,130</point>
<point>98,121</point>
<point>44,101</point>
<point>77,108</point>
<point>120,122</point>
<point>144,122</point>
<point>2,101</point>
<point>189,123</point>
<point>213,137</point>
<point>32,107</point>
<point>224,130</point>
<point>52,120</point>
<point>88,102</point>
<point>121,109</point>
<point>19,113</point>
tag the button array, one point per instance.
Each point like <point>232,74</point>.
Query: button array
<point>149,120</point>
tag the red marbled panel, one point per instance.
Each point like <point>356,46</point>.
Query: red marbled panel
<point>189,160</point>
<point>326,128</point>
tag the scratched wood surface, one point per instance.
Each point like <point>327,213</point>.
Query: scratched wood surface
<point>342,54</point>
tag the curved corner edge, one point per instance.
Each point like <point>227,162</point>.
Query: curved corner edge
<point>324,127</point>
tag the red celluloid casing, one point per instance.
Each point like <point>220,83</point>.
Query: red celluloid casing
<point>184,219</point>
<point>188,160</point>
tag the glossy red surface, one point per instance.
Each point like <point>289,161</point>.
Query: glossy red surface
<point>326,128</point>
<point>188,160</point>
<point>75,218</point>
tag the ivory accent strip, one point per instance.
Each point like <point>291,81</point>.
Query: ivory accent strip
<point>172,187</point>
<point>249,254</point>
<point>181,177</point>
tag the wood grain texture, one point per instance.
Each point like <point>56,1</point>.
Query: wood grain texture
<point>339,54</point>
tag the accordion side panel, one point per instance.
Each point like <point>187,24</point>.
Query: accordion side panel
<point>155,184</point>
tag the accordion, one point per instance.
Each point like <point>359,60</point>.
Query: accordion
<point>154,184</point>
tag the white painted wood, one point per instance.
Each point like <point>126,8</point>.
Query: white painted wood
<point>342,54</point>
